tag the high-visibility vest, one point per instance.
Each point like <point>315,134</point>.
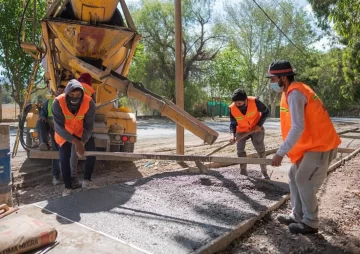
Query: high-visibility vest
<point>319,133</point>
<point>246,122</point>
<point>88,89</point>
<point>74,124</point>
<point>49,110</point>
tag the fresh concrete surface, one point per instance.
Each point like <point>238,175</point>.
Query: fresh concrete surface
<point>74,237</point>
<point>170,212</point>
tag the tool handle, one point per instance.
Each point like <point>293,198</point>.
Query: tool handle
<point>230,143</point>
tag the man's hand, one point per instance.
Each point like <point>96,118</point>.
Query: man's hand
<point>232,139</point>
<point>79,147</point>
<point>276,160</point>
<point>43,119</point>
<point>256,128</point>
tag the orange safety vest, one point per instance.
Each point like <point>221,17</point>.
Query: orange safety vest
<point>74,124</point>
<point>88,89</point>
<point>319,133</point>
<point>246,122</point>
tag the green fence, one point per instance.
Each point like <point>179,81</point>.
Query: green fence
<point>215,108</point>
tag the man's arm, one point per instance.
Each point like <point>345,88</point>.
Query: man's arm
<point>44,110</point>
<point>233,124</point>
<point>264,112</point>
<point>89,120</point>
<point>59,122</point>
<point>297,102</point>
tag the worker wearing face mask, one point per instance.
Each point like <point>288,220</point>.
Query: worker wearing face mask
<point>309,140</point>
<point>74,117</point>
<point>248,114</point>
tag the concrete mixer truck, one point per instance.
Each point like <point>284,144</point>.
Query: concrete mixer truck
<point>96,37</point>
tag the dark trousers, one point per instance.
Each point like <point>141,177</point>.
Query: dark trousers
<point>44,130</point>
<point>65,154</point>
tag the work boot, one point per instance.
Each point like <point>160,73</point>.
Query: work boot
<point>43,147</point>
<point>266,176</point>
<point>75,183</point>
<point>301,228</point>
<point>243,170</point>
<point>67,192</point>
<point>285,219</point>
<point>56,180</point>
<point>87,184</point>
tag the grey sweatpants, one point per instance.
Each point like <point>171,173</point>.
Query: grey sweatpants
<point>73,161</point>
<point>305,179</point>
<point>257,140</point>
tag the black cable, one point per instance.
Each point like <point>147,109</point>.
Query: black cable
<point>281,31</point>
<point>20,28</point>
<point>22,121</point>
<point>21,23</point>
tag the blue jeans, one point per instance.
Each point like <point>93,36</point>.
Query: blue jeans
<point>65,155</point>
<point>44,131</point>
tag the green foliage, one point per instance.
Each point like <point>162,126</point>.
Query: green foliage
<point>344,15</point>
<point>155,21</point>
<point>16,63</point>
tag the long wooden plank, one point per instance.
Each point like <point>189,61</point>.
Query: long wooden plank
<point>141,156</point>
<point>349,136</point>
<point>347,131</point>
<point>345,150</point>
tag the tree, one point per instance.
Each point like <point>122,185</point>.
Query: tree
<point>16,63</point>
<point>344,15</point>
<point>226,73</point>
<point>201,42</point>
<point>259,42</point>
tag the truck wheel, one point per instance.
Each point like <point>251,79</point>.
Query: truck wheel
<point>127,148</point>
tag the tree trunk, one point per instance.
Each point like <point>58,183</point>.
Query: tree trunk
<point>273,108</point>
<point>1,104</point>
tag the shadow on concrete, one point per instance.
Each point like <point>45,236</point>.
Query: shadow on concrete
<point>90,201</point>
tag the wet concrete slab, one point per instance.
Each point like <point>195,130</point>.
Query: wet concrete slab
<point>73,237</point>
<point>171,212</point>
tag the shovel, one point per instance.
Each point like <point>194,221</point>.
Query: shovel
<point>202,167</point>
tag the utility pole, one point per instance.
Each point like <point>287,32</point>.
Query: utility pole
<point>179,76</point>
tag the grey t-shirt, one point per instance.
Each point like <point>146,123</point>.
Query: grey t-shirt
<point>297,102</point>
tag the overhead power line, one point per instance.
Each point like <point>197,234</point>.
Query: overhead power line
<point>281,31</point>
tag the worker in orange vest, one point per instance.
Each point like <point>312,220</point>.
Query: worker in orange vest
<point>309,140</point>
<point>86,81</point>
<point>74,117</point>
<point>248,114</point>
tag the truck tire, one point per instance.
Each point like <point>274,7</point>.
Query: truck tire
<point>127,148</point>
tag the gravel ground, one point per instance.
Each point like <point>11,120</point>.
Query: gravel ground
<point>339,221</point>
<point>174,212</point>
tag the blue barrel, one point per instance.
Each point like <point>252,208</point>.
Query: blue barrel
<point>5,168</point>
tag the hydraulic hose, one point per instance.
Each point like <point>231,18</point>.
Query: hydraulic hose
<point>22,128</point>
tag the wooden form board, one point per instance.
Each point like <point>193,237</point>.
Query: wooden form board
<point>140,156</point>
<point>349,136</point>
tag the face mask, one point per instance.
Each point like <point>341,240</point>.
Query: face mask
<point>74,101</point>
<point>275,86</point>
<point>242,107</point>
